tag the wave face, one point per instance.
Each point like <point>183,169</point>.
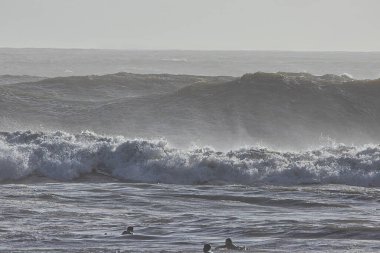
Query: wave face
<point>65,157</point>
<point>286,110</point>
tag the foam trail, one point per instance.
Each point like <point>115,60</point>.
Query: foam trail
<point>64,156</point>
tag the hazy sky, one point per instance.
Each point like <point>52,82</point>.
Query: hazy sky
<point>350,25</point>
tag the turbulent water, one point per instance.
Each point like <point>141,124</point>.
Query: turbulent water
<point>65,157</point>
<point>280,162</point>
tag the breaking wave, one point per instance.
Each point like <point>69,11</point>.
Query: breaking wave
<point>65,157</point>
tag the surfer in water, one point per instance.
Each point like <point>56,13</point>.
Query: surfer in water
<point>129,231</point>
<point>207,248</point>
<point>229,245</point>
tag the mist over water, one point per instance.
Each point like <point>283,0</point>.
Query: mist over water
<point>278,150</point>
<point>79,62</point>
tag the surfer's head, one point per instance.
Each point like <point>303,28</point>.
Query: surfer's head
<point>206,248</point>
<point>129,231</point>
<point>228,242</point>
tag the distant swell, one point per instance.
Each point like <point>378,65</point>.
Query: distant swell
<point>65,157</point>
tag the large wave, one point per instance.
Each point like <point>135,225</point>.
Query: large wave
<point>65,157</point>
<point>287,110</point>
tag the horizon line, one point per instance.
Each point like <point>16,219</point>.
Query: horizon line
<point>197,50</point>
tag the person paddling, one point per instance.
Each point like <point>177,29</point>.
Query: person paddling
<point>129,231</point>
<point>229,245</point>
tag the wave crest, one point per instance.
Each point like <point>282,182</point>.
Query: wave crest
<point>63,156</point>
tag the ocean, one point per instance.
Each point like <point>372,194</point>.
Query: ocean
<point>279,151</point>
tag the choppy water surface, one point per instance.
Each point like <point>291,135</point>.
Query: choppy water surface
<point>89,217</point>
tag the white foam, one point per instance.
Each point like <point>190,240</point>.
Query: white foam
<point>347,75</point>
<point>64,156</point>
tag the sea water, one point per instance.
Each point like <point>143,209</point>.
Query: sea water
<point>72,183</point>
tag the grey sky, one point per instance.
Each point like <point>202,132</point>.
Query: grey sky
<point>350,25</point>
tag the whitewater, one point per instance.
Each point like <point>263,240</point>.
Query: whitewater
<point>277,150</point>
<point>66,157</point>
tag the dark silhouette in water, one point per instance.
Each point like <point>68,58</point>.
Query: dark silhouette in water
<point>229,245</point>
<point>207,248</point>
<point>129,231</point>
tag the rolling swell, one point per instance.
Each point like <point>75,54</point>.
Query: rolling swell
<point>65,157</point>
<point>285,110</point>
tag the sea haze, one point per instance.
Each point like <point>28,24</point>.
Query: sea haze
<point>277,150</point>
<point>79,62</point>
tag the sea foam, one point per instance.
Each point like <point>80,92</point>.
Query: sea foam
<point>65,157</point>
